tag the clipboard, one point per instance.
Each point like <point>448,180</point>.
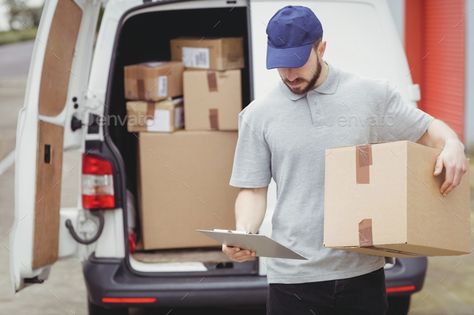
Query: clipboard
<point>261,244</point>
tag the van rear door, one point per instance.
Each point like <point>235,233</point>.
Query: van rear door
<point>57,79</point>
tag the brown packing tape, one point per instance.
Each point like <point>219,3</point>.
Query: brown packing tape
<point>363,162</point>
<point>365,233</point>
<point>128,88</point>
<point>212,81</point>
<point>214,118</point>
<point>141,88</point>
<point>150,110</point>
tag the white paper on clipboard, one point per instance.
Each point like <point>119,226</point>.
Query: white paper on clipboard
<point>261,244</point>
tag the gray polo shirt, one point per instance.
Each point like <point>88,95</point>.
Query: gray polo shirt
<point>284,136</point>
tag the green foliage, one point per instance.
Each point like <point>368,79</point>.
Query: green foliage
<point>17,36</point>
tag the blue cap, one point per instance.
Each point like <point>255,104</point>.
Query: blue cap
<point>291,34</point>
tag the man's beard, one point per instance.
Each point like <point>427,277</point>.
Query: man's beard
<point>311,82</point>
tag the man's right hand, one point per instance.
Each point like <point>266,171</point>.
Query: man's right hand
<point>238,254</point>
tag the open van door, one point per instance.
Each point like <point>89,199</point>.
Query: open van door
<point>57,80</point>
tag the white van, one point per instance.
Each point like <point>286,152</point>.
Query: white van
<point>75,83</point>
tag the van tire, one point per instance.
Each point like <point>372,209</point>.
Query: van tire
<point>99,310</point>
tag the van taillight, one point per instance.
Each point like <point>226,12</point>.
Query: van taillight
<point>97,183</point>
<point>403,288</point>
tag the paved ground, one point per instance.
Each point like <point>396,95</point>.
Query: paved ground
<point>448,290</point>
<point>15,59</point>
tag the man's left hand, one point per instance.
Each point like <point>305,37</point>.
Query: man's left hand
<point>452,158</point>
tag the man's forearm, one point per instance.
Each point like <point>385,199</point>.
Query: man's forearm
<point>250,207</point>
<point>438,134</point>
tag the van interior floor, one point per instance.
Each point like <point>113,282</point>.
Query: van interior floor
<point>204,255</point>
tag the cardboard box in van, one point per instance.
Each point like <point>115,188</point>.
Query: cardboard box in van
<point>384,200</point>
<point>163,116</point>
<point>184,186</point>
<point>213,99</point>
<point>212,53</point>
<point>153,81</point>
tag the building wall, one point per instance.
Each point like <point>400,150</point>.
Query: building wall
<point>469,81</point>
<point>410,19</point>
<point>435,46</point>
<point>444,62</point>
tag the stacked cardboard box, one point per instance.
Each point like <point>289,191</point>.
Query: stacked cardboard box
<point>164,116</point>
<point>383,200</point>
<point>184,186</point>
<point>211,53</point>
<point>212,81</point>
<point>213,99</point>
<point>183,175</point>
<point>151,86</point>
<point>153,81</point>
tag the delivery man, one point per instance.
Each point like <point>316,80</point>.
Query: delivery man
<point>284,135</point>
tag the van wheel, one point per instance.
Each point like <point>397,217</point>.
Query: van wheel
<point>99,310</point>
<point>398,305</point>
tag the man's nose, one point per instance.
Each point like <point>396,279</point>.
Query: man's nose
<point>291,74</point>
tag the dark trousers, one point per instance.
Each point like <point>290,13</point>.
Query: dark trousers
<point>363,294</point>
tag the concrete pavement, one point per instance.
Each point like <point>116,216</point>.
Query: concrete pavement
<point>15,59</point>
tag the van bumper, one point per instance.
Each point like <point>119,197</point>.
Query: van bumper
<point>406,277</point>
<point>111,278</point>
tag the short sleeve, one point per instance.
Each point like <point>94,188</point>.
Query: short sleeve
<point>399,120</point>
<point>252,159</point>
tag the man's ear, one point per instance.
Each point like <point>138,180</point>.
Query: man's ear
<point>321,49</point>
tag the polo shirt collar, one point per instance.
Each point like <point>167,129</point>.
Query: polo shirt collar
<point>329,86</point>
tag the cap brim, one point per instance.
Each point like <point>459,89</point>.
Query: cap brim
<point>294,57</point>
